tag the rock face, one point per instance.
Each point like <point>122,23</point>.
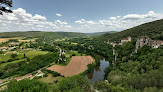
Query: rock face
<point>143,40</point>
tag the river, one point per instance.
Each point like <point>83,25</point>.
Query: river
<point>98,72</point>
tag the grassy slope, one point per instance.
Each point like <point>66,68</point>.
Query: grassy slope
<point>35,34</point>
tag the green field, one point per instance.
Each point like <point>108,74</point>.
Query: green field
<point>29,54</point>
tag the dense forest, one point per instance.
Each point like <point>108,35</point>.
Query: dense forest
<point>141,71</point>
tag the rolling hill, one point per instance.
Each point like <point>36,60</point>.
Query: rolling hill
<point>43,36</point>
<point>152,29</point>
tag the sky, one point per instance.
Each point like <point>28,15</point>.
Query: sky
<point>84,16</point>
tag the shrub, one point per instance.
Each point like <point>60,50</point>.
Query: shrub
<point>1,52</point>
<point>55,74</point>
<point>14,55</point>
<point>45,75</point>
<point>73,54</point>
<point>10,60</point>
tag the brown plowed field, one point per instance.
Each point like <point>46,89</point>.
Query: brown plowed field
<point>77,65</point>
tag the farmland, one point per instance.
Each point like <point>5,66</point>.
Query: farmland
<point>30,54</point>
<point>20,39</point>
<point>77,65</point>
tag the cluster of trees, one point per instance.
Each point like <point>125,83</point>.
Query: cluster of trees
<point>106,87</point>
<point>26,85</point>
<point>47,47</point>
<point>141,71</point>
<point>13,40</point>
<point>55,74</point>
<point>73,84</point>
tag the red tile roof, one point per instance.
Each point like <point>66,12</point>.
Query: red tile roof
<point>124,39</point>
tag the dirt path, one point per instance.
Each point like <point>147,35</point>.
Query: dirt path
<point>77,65</point>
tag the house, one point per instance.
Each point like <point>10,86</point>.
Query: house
<point>63,53</point>
<point>128,39</point>
<point>157,43</point>
<point>145,40</point>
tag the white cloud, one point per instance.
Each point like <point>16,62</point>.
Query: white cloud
<point>58,15</point>
<point>82,21</point>
<point>20,20</point>
<point>118,23</point>
<point>39,17</point>
<point>112,18</point>
<point>60,22</point>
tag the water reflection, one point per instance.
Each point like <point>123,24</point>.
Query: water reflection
<point>98,72</point>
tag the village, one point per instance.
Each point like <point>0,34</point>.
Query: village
<point>141,41</point>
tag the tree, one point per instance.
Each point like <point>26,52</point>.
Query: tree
<point>28,59</point>
<point>24,55</point>
<point>14,56</point>
<point>4,9</point>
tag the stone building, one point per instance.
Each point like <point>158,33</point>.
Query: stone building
<point>145,40</point>
<point>157,43</point>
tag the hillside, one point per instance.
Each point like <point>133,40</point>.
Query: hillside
<point>101,33</point>
<point>152,29</point>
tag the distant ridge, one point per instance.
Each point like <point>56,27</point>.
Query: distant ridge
<point>100,33</point>
<point>34,34</point>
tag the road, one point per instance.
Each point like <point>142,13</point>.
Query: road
<point>4,83</point>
